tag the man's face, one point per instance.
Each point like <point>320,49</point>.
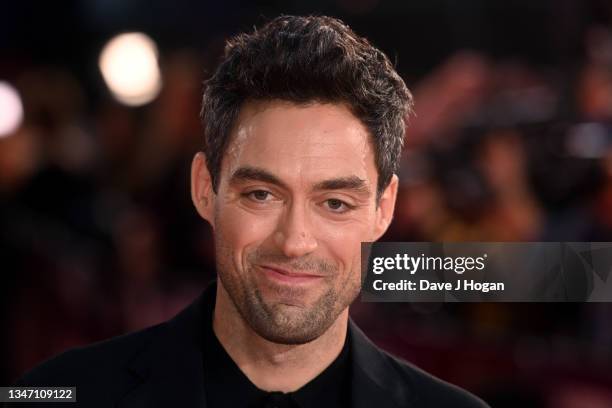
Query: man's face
<point>296,197</point>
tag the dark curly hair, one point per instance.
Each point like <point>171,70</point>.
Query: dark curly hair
<point>303,60</point>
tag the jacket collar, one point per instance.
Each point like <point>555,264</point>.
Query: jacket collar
<point>168,372</point>
<point>376,382</point>
<point>177,349</point>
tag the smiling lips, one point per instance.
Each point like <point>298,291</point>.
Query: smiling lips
<point>288,277</point>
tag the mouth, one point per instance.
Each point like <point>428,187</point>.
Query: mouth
<point>286,276</point>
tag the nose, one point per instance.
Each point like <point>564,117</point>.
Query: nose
<point>294,235</point>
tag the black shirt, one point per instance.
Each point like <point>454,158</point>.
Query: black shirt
<point>226,386</point>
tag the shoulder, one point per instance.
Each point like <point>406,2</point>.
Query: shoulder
<point>102,363</point>
<point>389,378</point>
<point>432,391</point>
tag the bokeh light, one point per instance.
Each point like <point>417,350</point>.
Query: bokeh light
<point>130,68</point>
<point>11,109</point>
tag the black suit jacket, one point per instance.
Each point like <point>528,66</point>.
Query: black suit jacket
<point>162,367</point>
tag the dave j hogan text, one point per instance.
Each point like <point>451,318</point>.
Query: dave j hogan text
<point>469,285</point>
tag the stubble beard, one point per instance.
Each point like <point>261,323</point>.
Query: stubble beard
<point>284,322</point>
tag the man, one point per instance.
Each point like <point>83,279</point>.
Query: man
<point>303,125</point>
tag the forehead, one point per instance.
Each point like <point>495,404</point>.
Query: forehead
<point>301,143</point>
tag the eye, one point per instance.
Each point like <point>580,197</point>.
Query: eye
<point>259,195</point>
<point>338,206</point>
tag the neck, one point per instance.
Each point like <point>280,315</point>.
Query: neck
<point>273,366</point>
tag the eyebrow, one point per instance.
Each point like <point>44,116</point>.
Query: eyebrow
<point>352,183</point>
<point>249,173</point>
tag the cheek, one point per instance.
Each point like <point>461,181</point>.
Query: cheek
<point>343,240</point>
<point>239,229</point>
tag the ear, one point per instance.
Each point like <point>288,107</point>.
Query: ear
<point>202,193</point>
<point>385,208</point>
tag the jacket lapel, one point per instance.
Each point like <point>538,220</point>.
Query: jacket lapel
<point>169,371</point>
<point>375,382</point>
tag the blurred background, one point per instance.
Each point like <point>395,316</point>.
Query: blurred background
<point>512,141</point>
